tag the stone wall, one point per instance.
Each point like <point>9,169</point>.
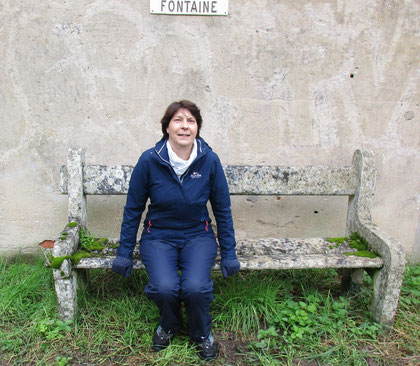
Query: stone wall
<point>278,82</point>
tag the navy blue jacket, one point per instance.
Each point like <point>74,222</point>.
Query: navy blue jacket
<point>177,203</point>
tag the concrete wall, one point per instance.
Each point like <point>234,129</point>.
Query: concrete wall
<point>279,82</point>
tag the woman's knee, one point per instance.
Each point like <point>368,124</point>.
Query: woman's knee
<point>166,287</point>
<point>193,288</point>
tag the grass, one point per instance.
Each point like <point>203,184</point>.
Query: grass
<point>260,318</point>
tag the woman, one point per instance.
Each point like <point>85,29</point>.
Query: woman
<point>178,246</point>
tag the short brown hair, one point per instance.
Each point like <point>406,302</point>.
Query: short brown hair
<point>173,108</point>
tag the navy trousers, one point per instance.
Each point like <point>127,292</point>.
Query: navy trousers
<point>179,270</point>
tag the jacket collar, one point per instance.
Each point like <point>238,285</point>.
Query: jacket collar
<point>162,150</point>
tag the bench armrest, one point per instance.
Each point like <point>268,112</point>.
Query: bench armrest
<point>67,244</point>
<point>387,281</point>
<point>387,247</point>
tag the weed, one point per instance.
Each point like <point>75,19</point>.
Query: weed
<point>52,328</point>
<point>267,338</point>
<point>411,288</point>
<point>62,360</point>
<point>89,242</point>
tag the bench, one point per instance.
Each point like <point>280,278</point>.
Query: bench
<point>356,181</point>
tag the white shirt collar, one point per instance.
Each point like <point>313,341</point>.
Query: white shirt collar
<point>179,165</point>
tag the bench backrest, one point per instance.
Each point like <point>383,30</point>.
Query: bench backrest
<point>242,180</point>
<point>356,181</point>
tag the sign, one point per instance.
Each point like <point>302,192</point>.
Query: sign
<point>189,7</point>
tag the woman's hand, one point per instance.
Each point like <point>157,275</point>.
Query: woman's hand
<point>229,266</point>
<point>122,266</point>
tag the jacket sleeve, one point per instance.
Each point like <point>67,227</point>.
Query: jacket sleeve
<point>220,203</point>
<point>137,196</point>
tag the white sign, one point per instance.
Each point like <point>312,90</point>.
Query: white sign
<point>189,7</point>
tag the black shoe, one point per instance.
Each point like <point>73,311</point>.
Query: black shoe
<point>208,350</point>
<point>161,339</point>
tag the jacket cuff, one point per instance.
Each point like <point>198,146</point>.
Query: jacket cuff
<point>123,252</point>
<point>123,260</point>
<point>229,254</point>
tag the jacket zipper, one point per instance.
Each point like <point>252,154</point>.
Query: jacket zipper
<point>181,179</point>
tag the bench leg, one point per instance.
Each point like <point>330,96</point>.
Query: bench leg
<point>66,290</point>
<point>386,292</point>
<point>352,280</point>
<point>82,279</point>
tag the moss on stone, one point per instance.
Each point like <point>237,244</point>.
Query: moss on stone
<point>78,256</point>
<point>336,241</point>
<point>88,245</point>
<point>363,253</point>
<point>58,261</point>
<point>356,242</point>
<point>339,240</point>
<point>72,224</point>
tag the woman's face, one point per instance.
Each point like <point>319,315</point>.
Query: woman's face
<point>182,129</point>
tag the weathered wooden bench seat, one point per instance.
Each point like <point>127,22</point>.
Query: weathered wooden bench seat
<point>356,181</point>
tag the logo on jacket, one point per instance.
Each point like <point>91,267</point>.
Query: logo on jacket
<point>195,175</point>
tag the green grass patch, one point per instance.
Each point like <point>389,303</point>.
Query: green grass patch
<point>260,317</point>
